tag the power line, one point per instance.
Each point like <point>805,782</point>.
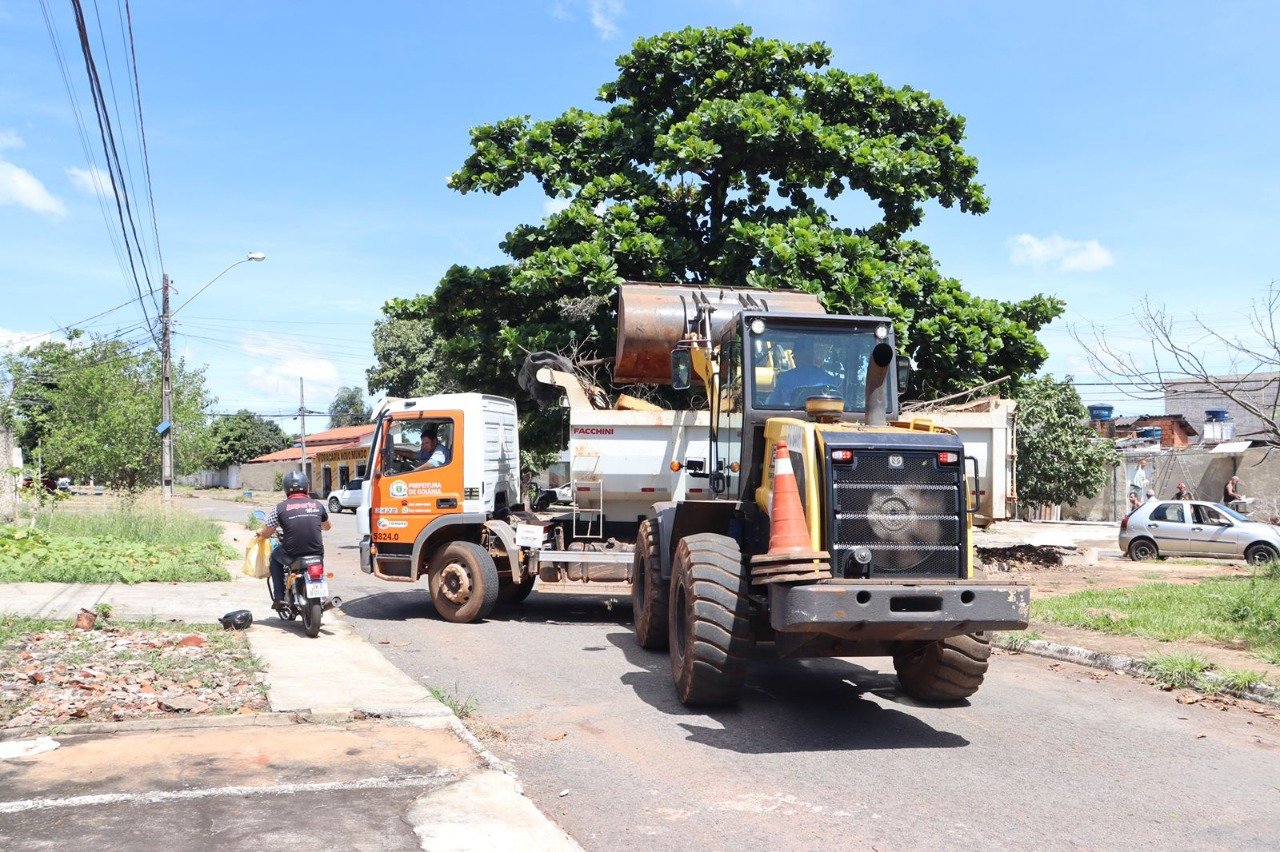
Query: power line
<point>142,135</point>
<point>111,152</point>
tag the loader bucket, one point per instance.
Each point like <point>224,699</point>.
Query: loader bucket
<point>652,318</point>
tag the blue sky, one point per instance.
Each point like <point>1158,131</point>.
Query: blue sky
<point>1129,151</point>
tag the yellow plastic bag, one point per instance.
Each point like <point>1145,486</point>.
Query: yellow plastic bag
<point>257,557</point>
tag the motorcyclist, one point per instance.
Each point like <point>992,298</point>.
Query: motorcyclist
<point>300,521</point>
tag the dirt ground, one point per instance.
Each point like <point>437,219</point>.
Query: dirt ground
<point>1079,571</point>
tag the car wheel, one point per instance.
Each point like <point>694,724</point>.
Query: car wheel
<point>334,506</point>
<point>1143,549</point>
<point>1261,554</point>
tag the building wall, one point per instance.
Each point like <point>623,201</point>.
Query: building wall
<point>1191,398</point>
<point>261,476</point>
<point>332,462</point>
<point>1203,471</point>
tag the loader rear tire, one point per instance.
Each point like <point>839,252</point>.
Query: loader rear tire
<point>648,592</point>
<point>947,670</point>
<point>709,620</point>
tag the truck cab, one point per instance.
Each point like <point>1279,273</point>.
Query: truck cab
<point>443,472</point>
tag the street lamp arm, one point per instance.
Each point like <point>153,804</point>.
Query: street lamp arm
<point>256,256</point>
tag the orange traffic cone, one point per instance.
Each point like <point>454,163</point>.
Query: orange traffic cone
<point>788,532</point>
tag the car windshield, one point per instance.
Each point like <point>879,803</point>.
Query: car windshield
<point>1230,513</point>
<point>792,363</point>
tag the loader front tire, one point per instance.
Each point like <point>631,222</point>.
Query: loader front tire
<point>946,670</point>
<point>709,625</point>
<point>648,592</point>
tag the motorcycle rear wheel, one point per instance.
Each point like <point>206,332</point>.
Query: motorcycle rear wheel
<point>311,613</point>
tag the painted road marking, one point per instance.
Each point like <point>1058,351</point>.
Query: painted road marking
<point>392,782</point>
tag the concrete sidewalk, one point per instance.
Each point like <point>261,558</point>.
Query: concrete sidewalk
<point>448,801</point>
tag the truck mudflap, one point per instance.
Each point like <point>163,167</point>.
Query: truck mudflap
<point>896,609</point>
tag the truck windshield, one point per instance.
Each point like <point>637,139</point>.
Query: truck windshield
<point>794,362</point>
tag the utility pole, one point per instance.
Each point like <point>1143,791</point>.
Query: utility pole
<point>166,399</point>
<point>302,413</point>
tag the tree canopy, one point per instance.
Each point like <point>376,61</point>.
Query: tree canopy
<point>348,408</point>
<point>1060,458</point>
<point>243,436</point>
<point>89,408</point>
<point>720,158</point>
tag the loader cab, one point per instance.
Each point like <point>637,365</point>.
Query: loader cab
<point>772,364</point>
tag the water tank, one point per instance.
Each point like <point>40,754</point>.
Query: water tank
<point>1151,432</point>
<point>1100,412</point>
<point>1216,415</point>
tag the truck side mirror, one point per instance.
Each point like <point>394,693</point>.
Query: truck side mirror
<point>681,369</point>
<point>904,371</point>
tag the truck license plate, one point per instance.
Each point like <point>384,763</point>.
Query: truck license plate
<point>317,589</point>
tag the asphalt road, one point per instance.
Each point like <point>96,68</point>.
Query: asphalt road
<point>824,753</point>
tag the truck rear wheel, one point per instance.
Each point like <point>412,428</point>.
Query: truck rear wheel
<point>947,670</point>
<point>463,581</point>
<point>709,624</point>
<point>648,592</point>
<point>514,593</point>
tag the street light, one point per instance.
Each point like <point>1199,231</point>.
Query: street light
<point>255,256</point>
<point>166,379</point>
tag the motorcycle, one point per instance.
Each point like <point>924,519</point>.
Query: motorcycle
<point>306,593</point>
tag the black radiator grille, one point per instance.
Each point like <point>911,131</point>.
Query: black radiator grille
<point>907,515</point>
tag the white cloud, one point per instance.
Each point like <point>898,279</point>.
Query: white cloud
<point>13,341</point>
<point>554,205</point>
<point>604,17</point>
<point>20,188</point>
<point>281,360</point>
<point>10,139</point>
<point>92,180</point>
<point>604,14</point>
<point>1060,253</point>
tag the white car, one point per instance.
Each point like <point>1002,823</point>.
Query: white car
<point>346,497</point>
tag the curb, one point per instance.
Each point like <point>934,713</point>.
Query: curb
<point>1133,666</point>
<point>179,723</point>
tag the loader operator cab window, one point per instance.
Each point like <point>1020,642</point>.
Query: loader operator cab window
<point>419,445</point>
<point>793,363</point>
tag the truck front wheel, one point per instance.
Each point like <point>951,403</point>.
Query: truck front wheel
<point>947,670</point>
<point>648,592</point>
<point>463,581</point>
<point>709,621</point>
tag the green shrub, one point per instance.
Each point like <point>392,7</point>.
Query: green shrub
<point>34,556</point>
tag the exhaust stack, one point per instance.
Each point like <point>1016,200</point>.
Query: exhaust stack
<point>877,383</point>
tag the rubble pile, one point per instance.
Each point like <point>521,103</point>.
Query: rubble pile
<point>54,677</point>
<point>1024,557</point>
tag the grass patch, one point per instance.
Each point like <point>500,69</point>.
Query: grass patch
<point>463,708</point>
<point>1180,671</point>
<point>137,551</point>
<point>169,528</point>
<point>1221,609</point>
<point>1017,641</point>
<point>1240,680</point>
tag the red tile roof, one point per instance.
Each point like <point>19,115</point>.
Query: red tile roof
<point>342,438</point>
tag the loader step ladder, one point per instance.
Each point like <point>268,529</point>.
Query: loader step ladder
<point>588,508</point>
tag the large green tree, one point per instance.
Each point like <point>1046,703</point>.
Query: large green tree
<point>89,408</point>
<point>348,408</point>
<point>1060,458</point>
<point>243,436</point>
<point>720,158</point>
